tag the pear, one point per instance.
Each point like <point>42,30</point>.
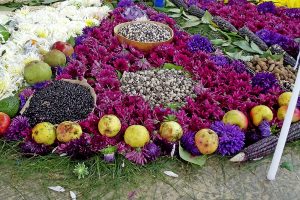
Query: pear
<point>55,58</point>
<point>37,71</point>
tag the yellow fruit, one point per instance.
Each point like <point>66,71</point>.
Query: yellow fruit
<point>260,113</point>
<point>284,99</point>
<point>207,141</point>
<point>67,131</point>
<point>109,125</point>
<point>44,133</point>
<point>171,131</point>
<point>236,117</point>
<point>136,136</point>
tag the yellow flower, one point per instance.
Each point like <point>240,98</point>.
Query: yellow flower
<point>42,33</point>
<point>91,22</point>
<point>287,3</point>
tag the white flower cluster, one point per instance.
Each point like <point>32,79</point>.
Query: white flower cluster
<point>41,27</point>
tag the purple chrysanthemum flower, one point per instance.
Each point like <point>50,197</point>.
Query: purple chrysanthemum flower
<point>78,148</point>
<point>30,147</point>
<point>231,138</point>
<point>133,12</point>
<point>24,95</point>
<point>266,7</point>
<point>18,129</point>
<point>265,128</point>
<point>80,39</point>
<point>238,66</point>
<point>199,43</point>
<point>125,3</point>
<point>187,142</point>
<point>264,80</point>
<point>192,2</point>
<point>137,157</point>
<point>151,151</point>
<point>293,12</point>
<point>237,2</point>
<point>40,85</point>
<point>220,60</point>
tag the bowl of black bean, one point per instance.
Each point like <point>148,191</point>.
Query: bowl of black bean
<point>144,35</point>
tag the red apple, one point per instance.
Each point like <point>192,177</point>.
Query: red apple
<point>64,47</point>
<point>4,122</point>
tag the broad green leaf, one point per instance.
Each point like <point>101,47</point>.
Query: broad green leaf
<point>174,106</point>
<point>172,66</point>
<point>244,45</point>
<point>218,42</point>
<point>226,44</point>
<point>256,48</point>
<point>246,58</point>
<point>213,28</point>
<point>170,4</point>
<point>247,38</point>
<point>119,74</point>
<point>287,165</point>
<point>175,15</point>
<point>207,18</point>
<point>190,24</point>
<point>235,55</point>
<point>4,34</point>
<point>198,160</point>
<point>190,17</point>
<point>174,10</point>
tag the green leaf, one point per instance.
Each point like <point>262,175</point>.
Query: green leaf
<point>4,34</point>
<point>174,10</point>
<point>218,42</point>
<point>174,106</point>
<point>175,15</point>
<point>169,118</point>
<point>287,165</point>
<point>244,45</point>
<point>190,17</point>
<point>213,28</point>
<point>191,24</point>
<point>207,18</point>
<point>119,74</point>
<point>170,4</point>
<point>256,48</point>
<point>71,41</point>
<point>172,66</point>
<point>197,160</point>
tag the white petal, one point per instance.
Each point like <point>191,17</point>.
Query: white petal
<point>57,188</point>
<point>170,173</point>
<point>173,150</point>
<point>73,195</point>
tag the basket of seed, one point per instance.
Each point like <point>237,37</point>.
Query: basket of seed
<point>144,35</point>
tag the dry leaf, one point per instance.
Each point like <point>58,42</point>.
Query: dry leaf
<point>170,173</point>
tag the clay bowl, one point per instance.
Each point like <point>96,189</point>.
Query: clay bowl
<point>143,46</point>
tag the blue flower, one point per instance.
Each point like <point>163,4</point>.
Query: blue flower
<point>125,3</point>
<point>187,142</point>
<point>231,138</point>
<point>264,80</point>
<point>220,60</point>
<point>199,43</point>
<point>266,7</point>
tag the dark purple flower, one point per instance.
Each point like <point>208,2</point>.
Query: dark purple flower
<point>125,3</point>
<point>18,129</point>
<point>151,151</point>
<point>40,85</point>
<point>31,148</point>
<point>293,12</point>
<point>192,2</point>
<point>220,60</point>
<point>265,128</point>
<point>237,2</point>
<point>231,138</point>
<point>137,157</point>
<point>78,148</point>
<point>264,80</point>
<point>239,66</point>
<point>80,39</point>
<point>24,95</point>
<point>199,43</point>
<point>133,12</point>
<point>266,7</point>
<point>187,142</point>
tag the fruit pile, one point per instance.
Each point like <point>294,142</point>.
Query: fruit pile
<point>229,110</point>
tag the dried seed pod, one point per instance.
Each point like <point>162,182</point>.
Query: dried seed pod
<point>258,67</point>
<point>271,67</point>
<point>253,37</point>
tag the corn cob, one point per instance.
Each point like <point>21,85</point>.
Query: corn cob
<point>180,3</point>
<point>223,24</point>
<point>288,59</point>
<point>259,42</point>
<point>266,146</point>
<point>196,11</point>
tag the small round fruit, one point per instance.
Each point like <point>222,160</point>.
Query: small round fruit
<point>207,141</point>
<point>260,113</point>
<point>136,136</point>
<point>37,71</point>
<point>236,117</point>
<point>67,131</point>
<point>109,125</point>
<point>10,106</point>
<point>55,58</point>
<point>4,122</point>
<point>282,112</point>
<point>44,133</point>
<point>64,47</point>
<point>171,131</point>
<point>284,99</point>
